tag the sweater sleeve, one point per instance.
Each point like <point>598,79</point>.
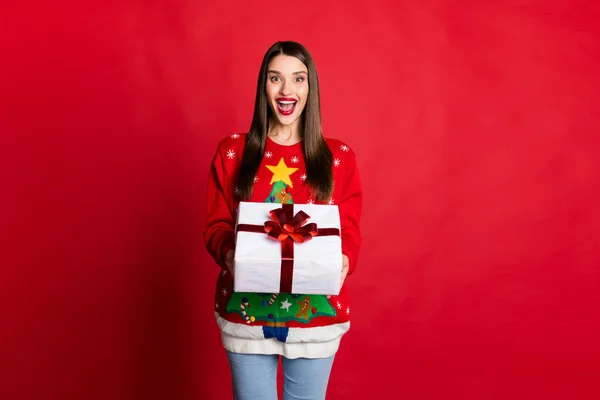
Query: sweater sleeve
<point>219,234</point>
<point>350,207</point>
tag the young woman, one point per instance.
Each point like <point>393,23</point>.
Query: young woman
<point>284,158</point>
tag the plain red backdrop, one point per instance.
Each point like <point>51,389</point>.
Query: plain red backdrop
<point>476,127</point>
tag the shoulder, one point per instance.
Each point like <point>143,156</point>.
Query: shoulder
<point>232,145</point>
<point>340,149</point>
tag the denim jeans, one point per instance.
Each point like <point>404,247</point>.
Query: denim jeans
<point>255,377</point>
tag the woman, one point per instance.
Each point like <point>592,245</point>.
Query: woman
<point>284,158</point>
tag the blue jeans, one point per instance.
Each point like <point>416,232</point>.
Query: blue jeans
<point>255,377</point>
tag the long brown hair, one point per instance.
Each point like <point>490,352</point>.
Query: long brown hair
<point>317,156</point>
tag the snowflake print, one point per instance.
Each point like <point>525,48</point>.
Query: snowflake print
<point>217,306</point>
<point>348,311</point>
<point>235,136</point>
<point>295,160</point>
<point>303,177</point>
<point>236,190</point>
<point>268,154</point>
<point>224,273</point>
<point>255,179</point>
<point>331,202</point>
<point>310,201</point>
<point>230,154</point>
<point>344,148</point>
<point>336,162</point>
<point>224,291</point>
<point>339,305</point>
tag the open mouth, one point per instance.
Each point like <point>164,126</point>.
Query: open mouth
<point>286,106</point>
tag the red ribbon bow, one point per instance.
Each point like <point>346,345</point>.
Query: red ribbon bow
<point>296,229</point>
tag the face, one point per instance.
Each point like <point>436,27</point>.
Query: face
<point>287,88</point>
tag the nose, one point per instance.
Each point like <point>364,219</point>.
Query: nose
<point>285,88</point>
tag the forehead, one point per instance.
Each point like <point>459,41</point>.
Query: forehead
<point>286,64</point>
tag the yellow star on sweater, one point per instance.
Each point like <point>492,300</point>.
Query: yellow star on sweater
<point>281,172</point>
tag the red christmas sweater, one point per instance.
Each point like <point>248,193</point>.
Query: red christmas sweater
<point>273,323</point>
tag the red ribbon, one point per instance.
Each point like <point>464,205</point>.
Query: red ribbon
<point>288,228</point>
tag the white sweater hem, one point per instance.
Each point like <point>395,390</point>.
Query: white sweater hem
<point>314,342</point>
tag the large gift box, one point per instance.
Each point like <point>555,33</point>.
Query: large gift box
<point>288,248</point>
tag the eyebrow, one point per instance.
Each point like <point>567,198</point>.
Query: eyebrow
<point>271,71</point>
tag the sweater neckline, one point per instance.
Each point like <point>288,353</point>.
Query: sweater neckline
<point>271,142</point>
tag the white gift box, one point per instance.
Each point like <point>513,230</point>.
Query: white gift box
<point>317,263</point>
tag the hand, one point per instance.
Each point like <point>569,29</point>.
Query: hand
<point>345,266</point>
<point>229,261</point>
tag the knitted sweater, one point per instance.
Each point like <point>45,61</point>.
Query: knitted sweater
<point>291,325</point>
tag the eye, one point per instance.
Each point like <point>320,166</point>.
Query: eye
<point>274,78</point>
<point>300,79</point>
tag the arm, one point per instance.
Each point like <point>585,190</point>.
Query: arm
<point>219,234</point>
<point>350,206</point>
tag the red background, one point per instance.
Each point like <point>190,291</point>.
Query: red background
<point>476,128</point>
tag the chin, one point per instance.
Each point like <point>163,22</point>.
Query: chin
<point>286,121</point>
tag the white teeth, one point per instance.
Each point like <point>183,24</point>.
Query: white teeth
<point>286,105</point>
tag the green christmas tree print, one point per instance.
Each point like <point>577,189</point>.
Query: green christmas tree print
<point>275,309</point>
<point>279,307</point>
<point>279,194</point>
